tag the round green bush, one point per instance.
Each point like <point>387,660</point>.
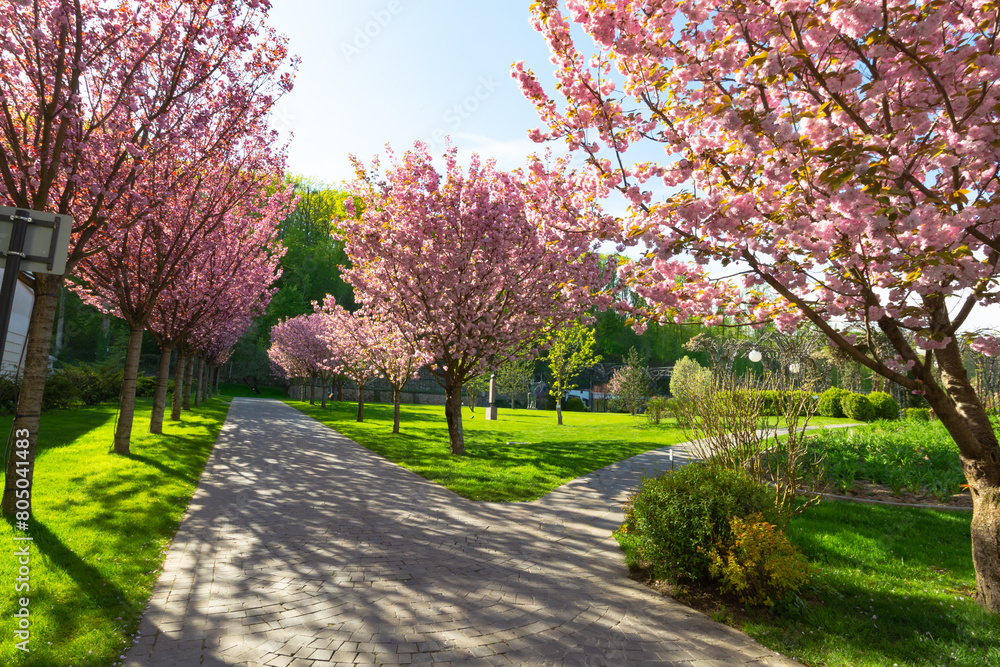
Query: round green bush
<point>857,406</point>
<point>830,402</point>
<point>574,404</point>
<point>885,405</point>
<point>919,414</point>
<point>675,520</point>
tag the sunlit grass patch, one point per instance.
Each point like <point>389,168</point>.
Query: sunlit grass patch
<point>101,526</point>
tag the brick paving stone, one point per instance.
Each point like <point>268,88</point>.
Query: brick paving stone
<point>301,547</point>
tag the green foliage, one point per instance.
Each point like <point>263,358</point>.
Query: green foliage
<point>774,401</point>
<point>95,383</point>
<point>915,455</point>
<point>885,405</point>
<point>656,409</point>
<point>676,519</point>
<point>689,380</point>
<point>513,379</point>
<point>9,387</point>
<point>760,566</point>
<point>857,406</point>
<point>60,392</point>
<point>918,414</point>
<point>830,402</point>
<point>571,351</point>
<point>574,404</point>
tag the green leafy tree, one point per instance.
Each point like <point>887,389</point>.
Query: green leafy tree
<point>514,377</point>
<point>629,386</point>
<point>571,351</point>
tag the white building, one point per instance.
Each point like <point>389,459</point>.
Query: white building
<point>17,335</point>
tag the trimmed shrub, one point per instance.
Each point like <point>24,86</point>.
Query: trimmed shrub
<point>656,409</point>
<point>857,406</point>
<point>145,386</point>
<point>885,405</point>
<point>60,392</point>
<point>95,384</point>
<point>919,414</point>
<point>761,565</point>
<point>675,520</point>
<point>574,404</point>
<point>830,402</point>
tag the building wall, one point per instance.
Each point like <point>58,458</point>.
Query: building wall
<point>18,332</point>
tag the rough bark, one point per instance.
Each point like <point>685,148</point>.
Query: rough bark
<point>175,408</point>
<point>962,413</point>
<point>395,409</point>
<point>453,415</point>
<point>312,391</point>
<point>29,401</point>
<point>559,411</point>
<point>361,402</point>
<point>322,392</point>
<point>188,381</point>
<point>160,395</point>
<point>126,408</point>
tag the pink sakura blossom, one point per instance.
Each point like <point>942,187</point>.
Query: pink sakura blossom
<point>843,156</point>
<point>469,264</point>
<point>93,95</point>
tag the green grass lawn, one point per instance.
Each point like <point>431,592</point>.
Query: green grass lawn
<point>101,526</point>
<point>894,588</point>
<point>521,456</point>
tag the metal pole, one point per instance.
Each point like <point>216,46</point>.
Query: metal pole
<point>14,255</point>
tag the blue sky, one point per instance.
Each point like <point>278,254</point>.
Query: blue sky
<point>395,71</point>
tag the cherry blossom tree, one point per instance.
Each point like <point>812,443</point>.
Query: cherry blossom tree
<point>840,159</point>
<point>223,289</point>
<point>349,337</point>
<point>468,263</point>
<point>138,263</point>
<point>395,358</point>
<point>91,93</point>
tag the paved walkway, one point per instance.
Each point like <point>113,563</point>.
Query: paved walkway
<point>301,547</point>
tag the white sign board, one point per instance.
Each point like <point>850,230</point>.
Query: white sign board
<point>46,243</point>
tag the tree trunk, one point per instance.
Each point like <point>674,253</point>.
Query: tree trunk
<point>322,392</point>
<point>453,415</point>
<point>395,410</point>
<point>175,408</point>
<point>126,409</point>
<point>312,390</point>
<point>29,401</point>
<point>199,366</point>
<point>961,412</point>
<point>559,410</point>
<point>361,402</point>
<point>160,395</point>
<point>188,381</point>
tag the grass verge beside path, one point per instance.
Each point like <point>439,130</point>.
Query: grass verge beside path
<point>521,456</point>
<point>893,588</point>
<point>101,526</point>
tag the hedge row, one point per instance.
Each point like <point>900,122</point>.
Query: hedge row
<point>837,402</point>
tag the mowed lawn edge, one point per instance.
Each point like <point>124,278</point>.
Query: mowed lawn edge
<point>101,527</point>
<point>520,457</point>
